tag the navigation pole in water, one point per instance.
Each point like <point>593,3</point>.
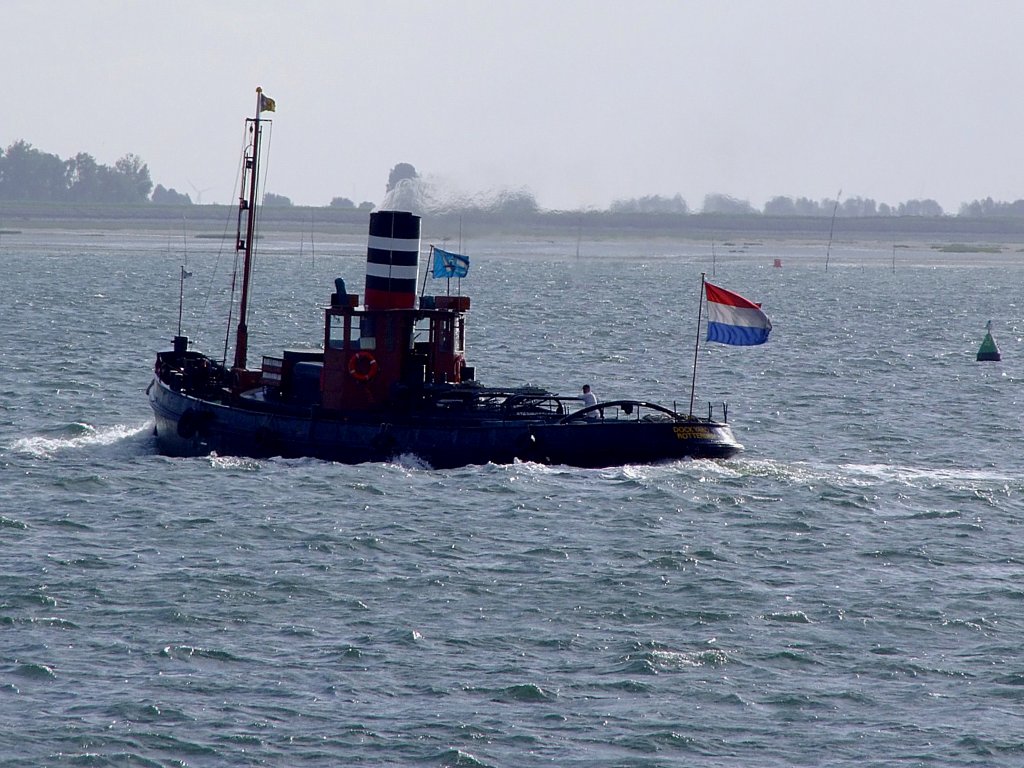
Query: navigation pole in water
<point>832,228</point>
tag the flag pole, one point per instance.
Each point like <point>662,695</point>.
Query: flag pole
<point>430,264</point>
<point>696,346</point>
<point>181,295</point>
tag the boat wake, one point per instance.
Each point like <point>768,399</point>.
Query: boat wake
<point>120,439</point>
<point>855,475</point>
<point>411,461</point>
<point>242,463</point>
<point>928,475</point>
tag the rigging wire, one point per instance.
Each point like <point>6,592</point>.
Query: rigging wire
<point>202,316</point>
<point>220,251</point>
<point>251,146</point>
<point>263,169</point>
<point>230,220</point>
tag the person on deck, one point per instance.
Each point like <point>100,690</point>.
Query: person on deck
<point>589,398</point>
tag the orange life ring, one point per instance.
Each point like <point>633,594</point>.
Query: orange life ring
<point>362,366</point>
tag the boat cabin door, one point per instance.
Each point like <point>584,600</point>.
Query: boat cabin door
<point>447,347</point>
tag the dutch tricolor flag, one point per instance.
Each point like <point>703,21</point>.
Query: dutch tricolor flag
<point>733,319</point>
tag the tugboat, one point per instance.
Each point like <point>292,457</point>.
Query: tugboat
<point>373,391</point>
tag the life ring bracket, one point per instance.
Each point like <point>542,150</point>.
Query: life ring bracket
<point>363,366</point>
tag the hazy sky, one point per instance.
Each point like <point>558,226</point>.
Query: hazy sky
<point>579,101</point>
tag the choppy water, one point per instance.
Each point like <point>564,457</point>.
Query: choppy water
<point>849,591</point>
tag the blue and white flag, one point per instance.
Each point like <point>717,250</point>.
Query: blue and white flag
<point>733,319</point>
<point>450,265</point>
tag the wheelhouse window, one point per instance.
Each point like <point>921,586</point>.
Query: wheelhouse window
<point>336,332</point>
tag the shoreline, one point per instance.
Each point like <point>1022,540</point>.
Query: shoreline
<point>209,221</point>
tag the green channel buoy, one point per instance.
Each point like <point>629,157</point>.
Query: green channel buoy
<point>989,350</point>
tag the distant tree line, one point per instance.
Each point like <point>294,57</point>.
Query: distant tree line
<point>850,207</point>
<point>26,174</point>
<point>781,206</point>
<point>30,175</point>
<point>989,207</point>
<point>344,202</point>
<point>650,204</point>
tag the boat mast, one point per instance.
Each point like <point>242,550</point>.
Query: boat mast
<point>247,212</point>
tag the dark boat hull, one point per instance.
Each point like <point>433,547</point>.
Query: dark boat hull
<point>190,426</point>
